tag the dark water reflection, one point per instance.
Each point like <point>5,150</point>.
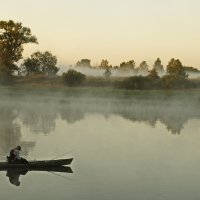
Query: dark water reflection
<point>10,131</point>
<point>14,174</point>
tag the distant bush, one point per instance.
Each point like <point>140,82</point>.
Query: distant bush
<point>73,78</point>
<point>166,82</point>
<point>136,82</point>
<point>175,82</point>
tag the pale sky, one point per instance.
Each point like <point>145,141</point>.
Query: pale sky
<point>117,30</point>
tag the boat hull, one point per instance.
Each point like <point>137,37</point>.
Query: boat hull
<point>63,169</point>
<point>36,164</point>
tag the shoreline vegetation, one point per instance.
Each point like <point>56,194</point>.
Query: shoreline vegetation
<point>123,83</point>
<point>64,94</point>
<point>40,69</point>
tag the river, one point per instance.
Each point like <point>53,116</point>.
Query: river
<point>140,146</point>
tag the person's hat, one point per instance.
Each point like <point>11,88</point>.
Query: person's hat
<point>19,148</point>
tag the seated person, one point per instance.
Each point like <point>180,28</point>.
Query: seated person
<point>14,156</point>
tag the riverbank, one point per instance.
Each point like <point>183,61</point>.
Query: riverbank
<point>130,83</point>
<point>60,92</point>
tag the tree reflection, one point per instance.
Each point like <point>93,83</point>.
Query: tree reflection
<point>10,131</point>
<point>71,114</point>
<point>40,115</point>
<point>173,116</point>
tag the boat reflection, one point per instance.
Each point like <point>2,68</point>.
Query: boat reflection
<point>14,174</point>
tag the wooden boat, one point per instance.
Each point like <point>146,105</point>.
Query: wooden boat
<point>62,169</point>
<point>37,164</point>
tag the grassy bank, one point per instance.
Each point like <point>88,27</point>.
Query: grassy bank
<point>57,81</point>
<point>62,92</point>
<point>131,83</point>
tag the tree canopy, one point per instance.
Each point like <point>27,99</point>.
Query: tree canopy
<point>158,66</point>
<point>143,68</point>
<point>12,38</point>
<point>191,69</point>
<point>84,63</point>
<point>40,63</point>
<point>153,74</point>
<point>130,65</point>
<point>175,68</point>
<point>104,64</point>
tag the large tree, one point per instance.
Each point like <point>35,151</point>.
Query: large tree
<point>175,68</point>
<point>13,36</point>
<point>40,63</point>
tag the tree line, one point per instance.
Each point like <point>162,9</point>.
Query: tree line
<point>13,37</point>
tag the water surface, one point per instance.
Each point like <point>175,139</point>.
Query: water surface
<point>143,146</point>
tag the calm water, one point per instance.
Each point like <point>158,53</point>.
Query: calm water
<point>136,147</point>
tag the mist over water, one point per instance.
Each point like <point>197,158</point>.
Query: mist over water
<point>126,144</point>
<point>98,72</point>
<point>39,112</point>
